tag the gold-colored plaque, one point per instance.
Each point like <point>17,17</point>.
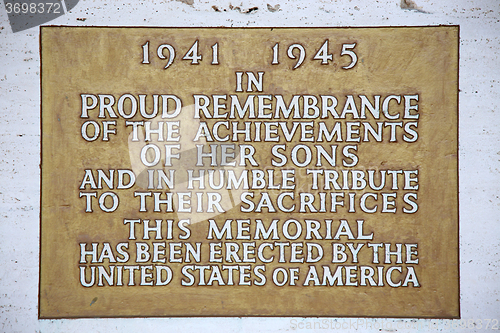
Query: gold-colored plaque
<point>249,172</point>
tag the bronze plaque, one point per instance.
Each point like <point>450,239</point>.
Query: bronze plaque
<point>249,172</point>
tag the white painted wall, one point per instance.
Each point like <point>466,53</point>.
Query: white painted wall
<point>479,153</point>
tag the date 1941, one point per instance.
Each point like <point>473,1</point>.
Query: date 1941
<point>296,51</point>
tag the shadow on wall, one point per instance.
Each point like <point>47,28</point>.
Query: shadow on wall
<point>31,13</point>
